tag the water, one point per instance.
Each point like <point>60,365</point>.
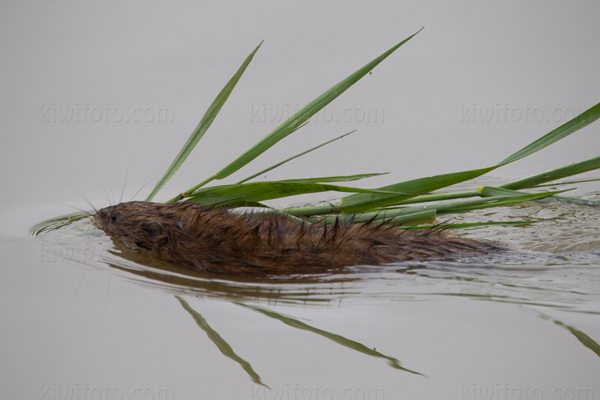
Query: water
<point>83,318</point>
<point>525,322</point>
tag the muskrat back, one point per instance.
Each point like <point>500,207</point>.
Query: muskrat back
<point>219,240</point>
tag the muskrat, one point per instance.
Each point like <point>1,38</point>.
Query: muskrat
<point>222,241</point>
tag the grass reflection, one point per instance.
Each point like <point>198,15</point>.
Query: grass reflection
<point>221,344</point>
<point>342,341</point>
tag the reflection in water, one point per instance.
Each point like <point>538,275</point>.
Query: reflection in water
<point>57,223</point>
<point>228,351</point>
<point>582,337</point>
<point>532,280</point>
<point>221,344</point>
<point>306,289</point>
<point>351,344</point>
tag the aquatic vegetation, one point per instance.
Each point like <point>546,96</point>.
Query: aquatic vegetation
<point>397,203</point>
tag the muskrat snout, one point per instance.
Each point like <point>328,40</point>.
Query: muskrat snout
<point>108,219</point>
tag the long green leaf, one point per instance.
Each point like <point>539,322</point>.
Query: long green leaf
<point>489,191</point>
<point>497,191</point>
<point>575,182</point>
<point>272,167</point>
<point>392,216</point>
<point>363,202</point>
<point>260,191</point>
<point>303,115</point>
<point>296,120</point>
<point>558,173</point>
<point>203,126</point>
<point>581,121</point>
<point>476,224</point>
<point>360,202</point>
<point>341,178</point>
<point>412,217</point>
<point>501,202</point>
<point>398,212</point>
<point>368,202</point>
<point>500,199</point>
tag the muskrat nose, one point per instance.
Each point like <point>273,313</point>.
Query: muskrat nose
<point>100,218</point>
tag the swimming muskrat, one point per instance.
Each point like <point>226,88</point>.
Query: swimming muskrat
<point>222,241</point>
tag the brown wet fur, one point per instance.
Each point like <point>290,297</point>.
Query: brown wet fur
<point>222,241</point>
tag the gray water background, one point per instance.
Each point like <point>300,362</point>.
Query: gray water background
<point>479,82</point>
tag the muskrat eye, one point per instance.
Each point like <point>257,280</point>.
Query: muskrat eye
<point>113,217</point>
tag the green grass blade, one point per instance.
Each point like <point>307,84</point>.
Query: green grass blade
<point>340,178</point>
<point>450,206</point>
<point>575,182</point>
<point>476,224</point>
<point>504,197</point>
<point>360,202</point>
<point>398,212</point>
<point>384,214</point>
<point>363,202</point>
<point>307,211</point>
<point>489,191</point>
<point>303,115</point>
<point>500,202</point>
<point>582,120</point>
<point>203,126</point>
<point>559,173</point>
<point>496,191</point>
<point>412,217</point>
<point>394,217</point>
<point>264,171</point>
<point>243,203</point>
<point>259,191</point>
<point>332,208</point>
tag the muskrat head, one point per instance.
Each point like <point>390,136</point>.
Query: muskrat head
<point>137,224</point>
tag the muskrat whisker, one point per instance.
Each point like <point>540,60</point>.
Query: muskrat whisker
<point>112,193</point>
<point>140,189</point>
<point>124,183</point>
<point>89,214</point>
<point>112,203</point>
<point>84,198</point>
